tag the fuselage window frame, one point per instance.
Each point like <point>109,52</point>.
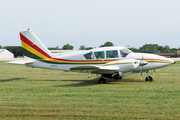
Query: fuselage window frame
<point>112,54</point>
<point>99,55</point>
<point>124,52</point>
<point>89,56</point>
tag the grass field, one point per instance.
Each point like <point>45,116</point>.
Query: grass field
<point>27,93</point>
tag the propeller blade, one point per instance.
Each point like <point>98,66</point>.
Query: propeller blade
<point>141,71</point>
<point>154,72</point>
<point>142,63</point>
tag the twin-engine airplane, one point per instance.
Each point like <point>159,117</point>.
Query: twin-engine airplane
<point>110,62</point>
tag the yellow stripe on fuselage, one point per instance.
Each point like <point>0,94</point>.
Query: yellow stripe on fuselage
<point>32,50</point>
<point>117,63</point>
<point>159,61</point>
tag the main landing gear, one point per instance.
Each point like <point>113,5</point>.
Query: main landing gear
<point>102,81</point>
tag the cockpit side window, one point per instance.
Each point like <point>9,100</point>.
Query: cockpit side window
<point>124,52</point>
<point>112,54</point>
<point>89,55</point>
<point>99,54</point>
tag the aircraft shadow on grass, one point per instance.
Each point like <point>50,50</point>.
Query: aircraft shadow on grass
<point>90,82</point>
<point>79,83</point>
<point>11,79</point>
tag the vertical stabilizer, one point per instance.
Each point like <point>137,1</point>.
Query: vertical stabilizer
<point>32,46</point>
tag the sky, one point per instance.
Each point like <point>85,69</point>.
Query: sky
<point>92,22</point>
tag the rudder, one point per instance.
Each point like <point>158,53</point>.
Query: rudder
<point>32,46</point>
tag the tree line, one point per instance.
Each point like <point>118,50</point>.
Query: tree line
<point>154,48</point>
<point>147,48</point>
<point>16,50</point>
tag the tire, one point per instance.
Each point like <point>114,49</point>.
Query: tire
<point>102,81</point>
<point>149,78</point>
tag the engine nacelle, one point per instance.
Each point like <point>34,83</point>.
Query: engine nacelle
<point>125,67</point>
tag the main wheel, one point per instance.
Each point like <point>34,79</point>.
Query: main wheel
<point>102,81</point>
<point>149,78</point>
<point>117,78</point>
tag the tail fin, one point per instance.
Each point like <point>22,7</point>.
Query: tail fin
<point>33,47</point>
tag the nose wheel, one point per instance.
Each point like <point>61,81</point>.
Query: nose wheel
<point>148,78</point>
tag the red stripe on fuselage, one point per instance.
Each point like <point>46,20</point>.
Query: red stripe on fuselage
<point>155,60</point>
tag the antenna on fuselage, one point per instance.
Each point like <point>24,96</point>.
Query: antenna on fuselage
<point>92,46</point>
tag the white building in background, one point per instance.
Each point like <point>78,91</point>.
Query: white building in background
<point>6,54</point>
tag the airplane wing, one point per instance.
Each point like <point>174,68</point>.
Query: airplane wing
<point>85,68</point>
<point>95,68</point>
<point>21,62</point>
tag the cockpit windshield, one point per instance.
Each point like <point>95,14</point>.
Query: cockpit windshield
<point>124,52</point>
<point>89,55</point>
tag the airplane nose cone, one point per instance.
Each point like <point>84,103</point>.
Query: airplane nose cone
<point>170,61</point>
<point>142,63</point>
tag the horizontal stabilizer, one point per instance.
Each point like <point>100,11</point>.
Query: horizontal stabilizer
<point>21,62</point>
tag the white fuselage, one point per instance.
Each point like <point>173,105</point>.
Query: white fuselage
<point>72,60</point>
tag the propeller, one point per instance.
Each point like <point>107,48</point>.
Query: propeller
<point>154,72</point>
<point>142,63</point>
<point>141,71</point>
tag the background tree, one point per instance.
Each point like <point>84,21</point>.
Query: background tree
<point>107,44</point>
<point>174,50</point>
<point>85,48</point>
<point>67,47</point>
<point>16,50</point>
<point>134,49</point>
<point>54,48</point>
<point>82,47</point>
<point>149,48</point>
<point>88,48</point>
<point>166,49</point>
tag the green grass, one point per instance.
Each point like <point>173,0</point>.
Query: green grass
<point>27,93</point>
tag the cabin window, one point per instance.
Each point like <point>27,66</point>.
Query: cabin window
<point>125,52</point>
<point>99,55</point>
<point>89,55</point>
<point>112,54</point>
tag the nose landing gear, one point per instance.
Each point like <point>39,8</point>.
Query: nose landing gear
<point>148,78</point>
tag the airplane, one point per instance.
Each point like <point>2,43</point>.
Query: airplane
<point>110,62</point>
